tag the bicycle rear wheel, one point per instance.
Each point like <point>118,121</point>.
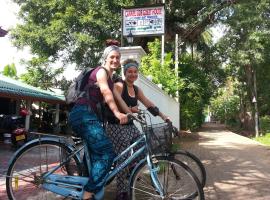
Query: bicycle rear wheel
<point>177,179</point>
<point>193,162</point>
<point>24,175</point>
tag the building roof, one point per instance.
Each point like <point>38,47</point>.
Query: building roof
<point>15,89</point>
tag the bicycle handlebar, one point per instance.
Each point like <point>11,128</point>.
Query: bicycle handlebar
<point>137,117</point>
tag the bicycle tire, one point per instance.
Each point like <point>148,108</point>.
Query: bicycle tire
<point>24,180</point>
<point>187,186</point>
<point>193,162</point>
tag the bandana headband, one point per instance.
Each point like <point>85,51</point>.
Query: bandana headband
<point>131,64</point>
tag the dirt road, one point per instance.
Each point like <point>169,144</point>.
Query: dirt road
<point>237,168</point>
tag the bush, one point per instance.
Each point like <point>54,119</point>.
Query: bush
<point>265,124</point>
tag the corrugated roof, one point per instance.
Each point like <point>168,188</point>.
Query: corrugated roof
<point>16,89</point>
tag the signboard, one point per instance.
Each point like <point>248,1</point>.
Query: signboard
<point>143,21</point>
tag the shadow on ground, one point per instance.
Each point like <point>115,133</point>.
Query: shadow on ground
<point>237,167</point>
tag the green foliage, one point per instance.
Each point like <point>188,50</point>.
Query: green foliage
<point>195,93</point>
<point>194,86</point>
<point>265,124</point>
<point>74,31</point>
<point>40,74</point>
<point>10,71</point>
<point>226,106</point>
<point>162,74</point>
<point>264,139</point>
<point>245,50</point>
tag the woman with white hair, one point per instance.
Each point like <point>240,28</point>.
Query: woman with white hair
<point>85,122</point>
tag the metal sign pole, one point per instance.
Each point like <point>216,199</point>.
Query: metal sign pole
<point>163,42</point>
<point>122,29</point>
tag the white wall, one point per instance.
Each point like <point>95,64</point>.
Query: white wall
<point>169,106</point>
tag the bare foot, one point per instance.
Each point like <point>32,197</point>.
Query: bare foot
<point>87,195</point>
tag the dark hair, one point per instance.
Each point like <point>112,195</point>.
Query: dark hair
<point>129,60</point>
<point>110,42</point>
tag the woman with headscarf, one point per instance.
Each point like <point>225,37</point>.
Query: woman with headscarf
<point>84,121</point>
<point>127,95</point>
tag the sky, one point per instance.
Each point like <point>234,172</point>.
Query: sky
<point>9,53</point>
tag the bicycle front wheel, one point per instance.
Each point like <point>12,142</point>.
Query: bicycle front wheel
<point>177,180</point>
<point>193,162</point>
<point>24,175</point>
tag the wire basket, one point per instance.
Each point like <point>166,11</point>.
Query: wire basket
<point>159,137</point>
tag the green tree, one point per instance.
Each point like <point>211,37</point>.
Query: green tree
<point>10,71</point>
<point>196,92</point>
<point>244,49</point>
<point>225,107</point>
<point>162,74</point>
<point>193,84</point>
<point>75,30</point>
<point>40,74</point>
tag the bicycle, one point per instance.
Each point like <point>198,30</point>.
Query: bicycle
<point>55,171</point>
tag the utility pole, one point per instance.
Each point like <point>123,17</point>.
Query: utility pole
<point>254,100</point>
<point>176,72</point>
<point>163,42</point>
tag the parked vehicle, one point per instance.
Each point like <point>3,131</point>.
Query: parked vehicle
<point>14,125</point>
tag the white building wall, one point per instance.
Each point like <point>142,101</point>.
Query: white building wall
<point>169,106</point>
<point>164,102</point>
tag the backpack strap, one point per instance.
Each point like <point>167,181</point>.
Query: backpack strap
<point>88,86</point>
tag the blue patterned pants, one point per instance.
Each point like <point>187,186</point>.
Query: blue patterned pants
<point>86,124</point>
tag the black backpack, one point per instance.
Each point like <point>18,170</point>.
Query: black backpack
<point>79,87</point>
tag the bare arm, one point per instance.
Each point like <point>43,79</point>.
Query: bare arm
<point>108,95</point>
<point>117,91</point>
<point>147,103</point>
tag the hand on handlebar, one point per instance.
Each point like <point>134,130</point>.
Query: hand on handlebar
<point>136,117</point>
<point>166,119</point>
<point>123,118</point>
<point>135,109</point>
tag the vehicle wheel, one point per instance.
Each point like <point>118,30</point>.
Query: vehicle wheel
<point>177,179</point>
<point>24,175</point>
<point>194,164</point>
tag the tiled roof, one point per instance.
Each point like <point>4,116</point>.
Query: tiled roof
<point>15,89</point>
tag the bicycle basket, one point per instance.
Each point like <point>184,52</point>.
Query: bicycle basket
<point>159,137</point>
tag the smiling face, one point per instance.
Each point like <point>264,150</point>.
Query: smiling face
<point>131,74</point>
<point>112,61</point>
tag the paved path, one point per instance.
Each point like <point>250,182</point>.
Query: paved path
<point>237,168</point>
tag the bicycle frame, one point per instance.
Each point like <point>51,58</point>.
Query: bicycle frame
<point>72,186</point>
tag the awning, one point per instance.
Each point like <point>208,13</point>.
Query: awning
<point>15,89</point>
